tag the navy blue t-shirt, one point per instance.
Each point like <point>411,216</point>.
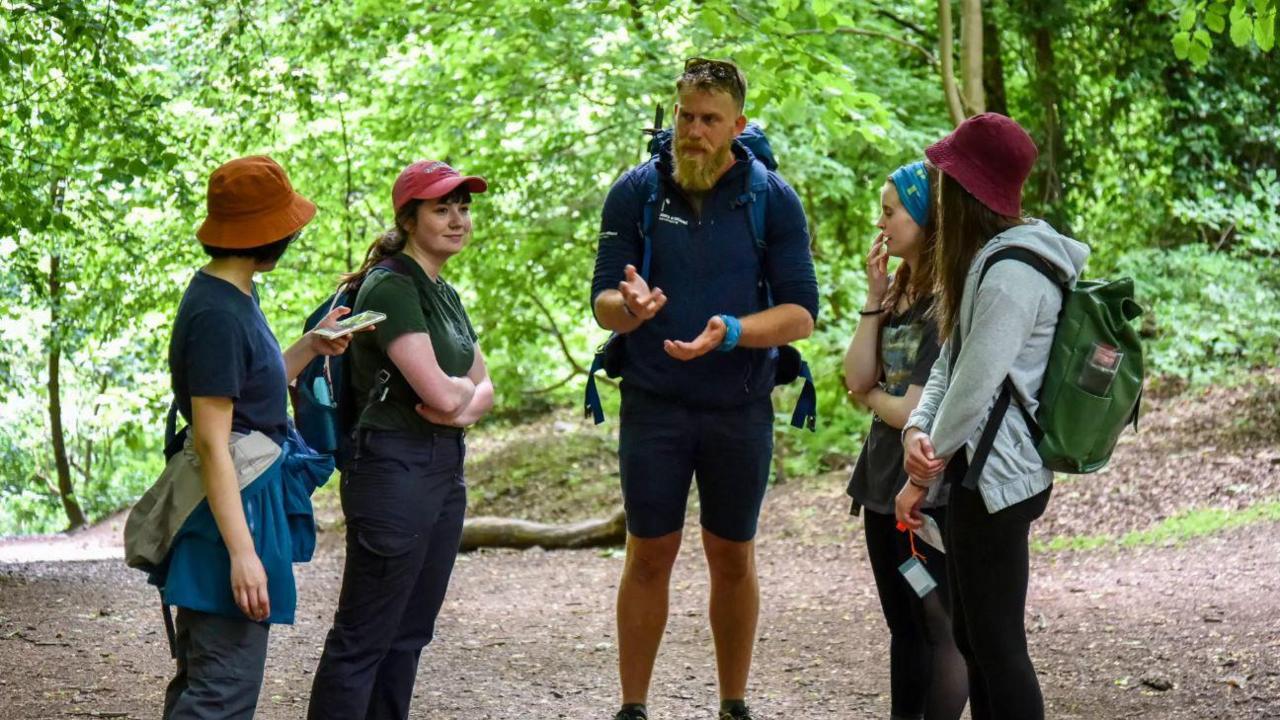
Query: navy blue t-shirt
<point>222,347</point>
<point>705,260</point>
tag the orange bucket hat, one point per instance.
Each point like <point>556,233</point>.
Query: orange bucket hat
<point>251,203</point>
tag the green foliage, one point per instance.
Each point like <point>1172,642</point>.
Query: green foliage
<point>83,252</point>
<point>552,471</point>
<point>1165,145</point>
<point>1180,528</point>
<point>1211,316</point>
<point>842,424</point>
<point>1249,221</point>
<point>1251,22</point>
<point>116,112</point>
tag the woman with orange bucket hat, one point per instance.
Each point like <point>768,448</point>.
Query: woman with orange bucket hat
<point>229,569</point>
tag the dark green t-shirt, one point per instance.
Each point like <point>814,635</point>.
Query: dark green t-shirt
<point>412,303</point>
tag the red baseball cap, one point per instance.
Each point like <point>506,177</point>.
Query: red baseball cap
<point>991,156</point>
<point>429,180</point>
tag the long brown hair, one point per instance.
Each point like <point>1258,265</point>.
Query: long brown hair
<point>965,225</point>
<point>918,282</point>
<point>394,239</point>
<point>386,244</point>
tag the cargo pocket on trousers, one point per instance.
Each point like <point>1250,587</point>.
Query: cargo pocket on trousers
<point>389,550</point>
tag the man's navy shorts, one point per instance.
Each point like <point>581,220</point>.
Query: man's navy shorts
<point>664,443</point>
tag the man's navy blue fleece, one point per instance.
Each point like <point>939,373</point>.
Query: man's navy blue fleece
<point>706,265</point>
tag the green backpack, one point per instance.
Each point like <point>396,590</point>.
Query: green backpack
<point>1093,384</point>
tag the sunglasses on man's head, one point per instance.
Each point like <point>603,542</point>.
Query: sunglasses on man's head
<point>716,67</point>
<point>719,69</point>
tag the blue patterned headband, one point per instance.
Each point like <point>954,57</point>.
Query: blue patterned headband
<point>912,182</point>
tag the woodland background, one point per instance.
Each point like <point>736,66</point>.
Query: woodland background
<point>1157,122</point>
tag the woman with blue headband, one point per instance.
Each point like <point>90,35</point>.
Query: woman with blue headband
<point>885,368</point>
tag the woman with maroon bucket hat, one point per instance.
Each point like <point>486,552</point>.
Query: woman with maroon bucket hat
<point>999,324</point>
<point>419,380</point>
<point>229,570</point>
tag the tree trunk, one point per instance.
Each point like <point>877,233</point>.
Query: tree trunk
<point>1048,184</point>
<point>971,57</point>
<point>349,196</point>
<point>993,65</point>
<point>75,516</point>
<point>946,53</point>
<point>511,533</point>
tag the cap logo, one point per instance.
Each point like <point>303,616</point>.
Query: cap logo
<point>430,168</point>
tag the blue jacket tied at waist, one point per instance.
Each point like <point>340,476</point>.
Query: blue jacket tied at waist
<point>277,508</point>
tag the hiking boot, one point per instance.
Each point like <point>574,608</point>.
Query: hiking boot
<point>738,713</point>
<point>631,714</point>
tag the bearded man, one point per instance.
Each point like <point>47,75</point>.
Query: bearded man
<point>699,368</point>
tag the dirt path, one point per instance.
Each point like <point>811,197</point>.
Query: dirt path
<point>530,634</point>
<point>1183,632</point>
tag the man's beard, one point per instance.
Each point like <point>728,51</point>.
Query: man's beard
<point>698,173</point>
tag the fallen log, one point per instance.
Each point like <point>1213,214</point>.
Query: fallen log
<point>481,532</point>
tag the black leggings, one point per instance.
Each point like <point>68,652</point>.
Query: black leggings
<point>987,566</point>
<point>926,671</point>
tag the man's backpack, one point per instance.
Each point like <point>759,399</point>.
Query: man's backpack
<point>754,197</point>
<point>1092,386</point>
<point>324,410</point>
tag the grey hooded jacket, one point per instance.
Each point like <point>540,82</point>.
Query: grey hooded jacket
<point>1006,330</point>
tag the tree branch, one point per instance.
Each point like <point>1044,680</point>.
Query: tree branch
<point>557,386</point>
<point>928,56</point>
<point>32,93</point>
<point>945,49</point>
<point>913,27</point>
<point>555,330</point>
<point>1226,235</point>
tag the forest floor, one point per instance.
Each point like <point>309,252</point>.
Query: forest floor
<point>1155,593</point>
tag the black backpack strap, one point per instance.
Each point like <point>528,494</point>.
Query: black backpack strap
<point>173,437</point>
<point>988,439</point>
<point>653,195</point>
<point>168,627</point>
<point>1026,257</point>
<point>1007,391</point>
<point>171,424</point>
<point>381,381</point>
<point>395,264</point>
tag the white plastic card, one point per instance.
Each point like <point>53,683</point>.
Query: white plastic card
<point>918,577</point>
<point>931,533</point>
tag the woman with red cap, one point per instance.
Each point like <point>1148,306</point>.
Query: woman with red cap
<point>998,316</point>
<point>229,568</point>
<point>419,381</point>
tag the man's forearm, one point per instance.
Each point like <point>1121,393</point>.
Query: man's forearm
<point>611,313</point>
<point>776,326</point>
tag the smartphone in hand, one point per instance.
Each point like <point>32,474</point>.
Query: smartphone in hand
<point>350,324</point>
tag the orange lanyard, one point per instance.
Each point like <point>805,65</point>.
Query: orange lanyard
<point>911,538</point>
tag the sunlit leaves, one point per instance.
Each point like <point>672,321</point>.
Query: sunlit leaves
<point>1249,21</point>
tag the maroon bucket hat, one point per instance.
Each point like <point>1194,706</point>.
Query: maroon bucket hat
<point>991,156</point>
